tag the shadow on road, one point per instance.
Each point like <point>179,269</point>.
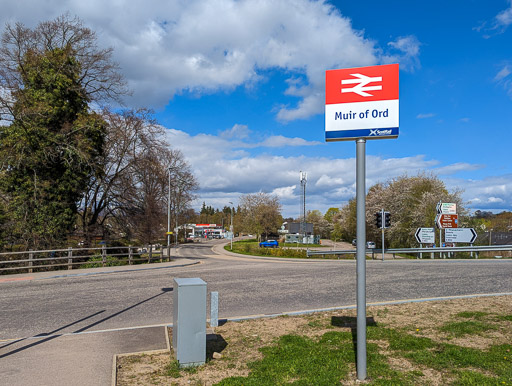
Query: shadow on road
<point>51,335</point>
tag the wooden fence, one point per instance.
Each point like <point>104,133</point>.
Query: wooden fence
<point>58,259</point>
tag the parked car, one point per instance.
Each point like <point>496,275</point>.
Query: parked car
<point>370,244</point>
<point>269,244</point>
<point>354,242</point>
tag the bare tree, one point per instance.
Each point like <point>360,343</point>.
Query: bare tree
<point>129,191</point>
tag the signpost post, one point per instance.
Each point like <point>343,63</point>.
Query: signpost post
<point>360,104</point>
<point>446,218</point>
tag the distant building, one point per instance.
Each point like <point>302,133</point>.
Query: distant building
<point>293,228</point>
<point>292,233</point>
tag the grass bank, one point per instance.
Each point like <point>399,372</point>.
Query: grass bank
<point>289,250</point>
<point>456,342</point>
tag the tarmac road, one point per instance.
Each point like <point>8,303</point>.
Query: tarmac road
<point>37,309</point>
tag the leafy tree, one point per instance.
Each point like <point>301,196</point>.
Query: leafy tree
<point>345,222</point>
<point>411,202</point>
<point>50,149</point>
<point>260,213</point>
<point>331,212</point>
<point>321,226</point>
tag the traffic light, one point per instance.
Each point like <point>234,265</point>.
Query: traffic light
<point>387,219</point>
<point>378,219</point>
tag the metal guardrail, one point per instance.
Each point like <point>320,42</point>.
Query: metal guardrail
<point>57,258</point>
<point>431,250</point>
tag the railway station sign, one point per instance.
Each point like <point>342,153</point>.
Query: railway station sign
<point>361,103</point>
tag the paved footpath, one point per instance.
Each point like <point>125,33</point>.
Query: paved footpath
<point>74,359</point>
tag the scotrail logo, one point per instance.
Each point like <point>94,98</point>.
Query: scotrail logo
<point>361,83</point>
<point>377,132</point>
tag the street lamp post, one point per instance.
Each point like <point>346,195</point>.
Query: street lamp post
<point>169,211</point>
<point>231,226</point>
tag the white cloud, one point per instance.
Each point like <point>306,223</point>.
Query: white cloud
<point>225,171</point>
<point>407,51</point>
<point>425,116</point>
<point>503,73</point>
<point>202,46</point>
<point>503,78</point>
<point>456,168</point>
<point>285,192</point>
<point>491,193</point>
<point>325,180</point>
<point>281,141</point>
<point>237,131</point>
<point>498,24</point>
<point>504,18</point>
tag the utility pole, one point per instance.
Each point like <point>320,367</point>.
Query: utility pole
<point>303,181</point>
<point>169,212</point>
<point>231,226</point>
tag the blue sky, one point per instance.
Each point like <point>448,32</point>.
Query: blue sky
<point>240,87</point>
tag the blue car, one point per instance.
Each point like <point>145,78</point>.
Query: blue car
<point>269,244</point>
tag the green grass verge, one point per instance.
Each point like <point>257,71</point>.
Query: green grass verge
<point>251,247</point>
<point>327,360</point>
<point>467,327</point>
<point>321,350</point>
<point>300,245</point>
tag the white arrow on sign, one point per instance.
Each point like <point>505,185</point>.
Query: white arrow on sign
<point>425,235</point>
<point>460,235</point>
<point>361,84</point>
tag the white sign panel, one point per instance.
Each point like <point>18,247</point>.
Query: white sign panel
<point>361,103</point>
<point>460,235</point>
<point>425,235</point>
<point>447,208</point>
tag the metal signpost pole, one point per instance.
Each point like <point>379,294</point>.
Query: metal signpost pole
<point>440,244</point>
<point>361,257</point>
<point>383,225</point>
<point>361,103</point>
<point>169,211</point>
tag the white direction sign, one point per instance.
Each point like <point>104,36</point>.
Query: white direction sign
<point>446,208</point>
<point>425,235</point>
<point>460,235</point>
